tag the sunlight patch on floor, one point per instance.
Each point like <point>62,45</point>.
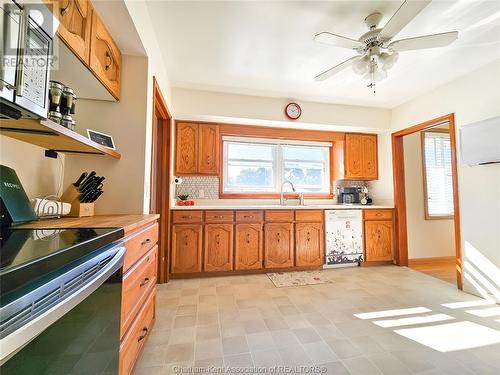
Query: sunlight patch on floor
<point>485,313</point>
<point>452,336</point>
<point>413,320</point>
<point>464,304</point>
<point>390,313</point>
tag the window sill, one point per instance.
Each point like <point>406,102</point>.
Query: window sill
<point>446,217</point>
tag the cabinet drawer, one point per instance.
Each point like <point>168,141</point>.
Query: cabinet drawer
<point>138,244</point>
<point>136,285</point>
<point>249,216</point>
<point>218,216</point>
<point>309,215</point>
<point>187,217</point>
<point>280,215</point>
<point>133,342</point>
<point>377,214</point>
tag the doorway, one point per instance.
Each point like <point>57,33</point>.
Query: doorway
<point>159,184</point>
<point>435,137</point>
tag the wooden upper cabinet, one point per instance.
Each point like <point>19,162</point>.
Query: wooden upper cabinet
<point>208,160</point>
<point>369,147</point>
<point>218,247</point>
<point>186,151</point>
<point>360,156</point>
<point>378,240</point>
<point>186,248</point>
<point>75,17</point>
<point>105,57</point>
<point>248,246</point>
<point>279,245</point>
<point>197,149</point>
<point>309,249</point>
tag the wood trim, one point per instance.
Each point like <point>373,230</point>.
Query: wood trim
<point>401,255</point>
<point>424,176</point>
<point>416,261</point>
<point>159,183</point>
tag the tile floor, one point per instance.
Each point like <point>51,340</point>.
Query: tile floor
<point>244,321</point>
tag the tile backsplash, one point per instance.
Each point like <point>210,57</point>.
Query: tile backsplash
<point>199,187</point>
<point>207,187</point>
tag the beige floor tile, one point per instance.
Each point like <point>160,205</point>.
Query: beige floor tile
<point>234,345</point>
<point>207,319</point>
<point>181,335</point>
<point>187,309</point>
<point>240,361</point>
<point>306,335</point>
<point>208,349</point>
<point>276,324</point>
<point>232,328</point>
<point>320,352</point>
<point>207,332</point>
<point>267,358</point>
<point>343,348</point>
<point>287,310</point>
<point>184,321</point>
<point>284,338</point>
<point>254,326</point>
<point>179,353</point>
<point>260,341</point>
<point>206,363</point>
<point>294,356</point>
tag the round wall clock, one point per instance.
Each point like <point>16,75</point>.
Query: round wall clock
<point>293,111</point>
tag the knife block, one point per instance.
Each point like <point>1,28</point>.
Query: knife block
<point>78,209</point>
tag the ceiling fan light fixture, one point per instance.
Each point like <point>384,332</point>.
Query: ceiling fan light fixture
<point>388,60</point>
<point>361,66</point>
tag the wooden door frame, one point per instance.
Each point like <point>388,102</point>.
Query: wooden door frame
<point>160,175</point>
<point>401,255</point>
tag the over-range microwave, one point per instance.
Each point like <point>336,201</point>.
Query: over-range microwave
<point>28,29</point>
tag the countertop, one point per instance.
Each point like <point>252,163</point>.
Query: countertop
<point>129,223</point>
<point>278,207</point>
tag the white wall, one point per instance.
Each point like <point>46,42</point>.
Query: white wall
<point>426,238</point>
<point>39,175</point>
<point>201,105</point>
<point>474,97</point>
<point>124,187</point>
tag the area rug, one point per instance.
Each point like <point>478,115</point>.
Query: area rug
<point>287,279</point>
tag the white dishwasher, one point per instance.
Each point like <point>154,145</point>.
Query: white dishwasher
<point>344,238</point>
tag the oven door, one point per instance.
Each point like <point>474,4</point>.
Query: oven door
<point>78,335</point>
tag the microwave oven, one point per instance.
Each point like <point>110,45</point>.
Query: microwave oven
<point>26,56</point>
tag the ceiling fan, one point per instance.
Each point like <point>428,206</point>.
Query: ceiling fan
<point>376,52</point>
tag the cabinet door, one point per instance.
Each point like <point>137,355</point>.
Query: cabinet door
<point>369,167</point>
<point>353,156</point>
<point>279,245</point>
<point>186,148</point>
<point>218,247</point>
<point>248,246</point>
<point>75,17</point>
<point>378,240</point>
<point>186,248</point>
<point>309,249</point>
<point>105,57</point>
<point>208,157</point>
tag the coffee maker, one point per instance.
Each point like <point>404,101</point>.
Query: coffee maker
<point>348,195</point>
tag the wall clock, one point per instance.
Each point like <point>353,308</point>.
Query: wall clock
<point>293,111</point>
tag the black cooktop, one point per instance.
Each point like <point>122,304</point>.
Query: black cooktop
<point>29,255</point>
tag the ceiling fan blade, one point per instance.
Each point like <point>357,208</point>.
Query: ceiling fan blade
<point>406,12</point>
<point>338,41</point>
<point>337,68</point>
<point>423,42</point>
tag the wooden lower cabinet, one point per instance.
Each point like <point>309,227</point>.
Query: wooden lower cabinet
<point>248,246</point>
<point>279,245</point>
<point>186,248</point>
<point>133,343</point>
<point>218,247</point>
<point>378,240</point>
<point>309,249</point>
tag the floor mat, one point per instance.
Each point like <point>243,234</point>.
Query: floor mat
<point>287,279</point>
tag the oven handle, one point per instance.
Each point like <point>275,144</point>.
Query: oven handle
<point>23,27</point>
<point>14,342</point>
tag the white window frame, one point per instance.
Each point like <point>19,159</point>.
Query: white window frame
<point>278,163</point>
<point>428,215</point>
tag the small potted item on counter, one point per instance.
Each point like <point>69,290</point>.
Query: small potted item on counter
<point>183,200</point>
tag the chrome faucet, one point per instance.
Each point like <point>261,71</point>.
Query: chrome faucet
<point>282,196</point>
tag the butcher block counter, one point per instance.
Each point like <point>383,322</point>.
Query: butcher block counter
<point>139,275</point>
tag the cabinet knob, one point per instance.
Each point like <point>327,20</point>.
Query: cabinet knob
<point>248,216</point>
<point>144,282</point>
<point>248,238</point>
<point>308,236</point>
<point>65,9</point>
<point>145,241</point>
<point>187,217</point>
<point>217,239</point>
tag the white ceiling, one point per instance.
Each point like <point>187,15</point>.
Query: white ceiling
<point>266,47</point>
